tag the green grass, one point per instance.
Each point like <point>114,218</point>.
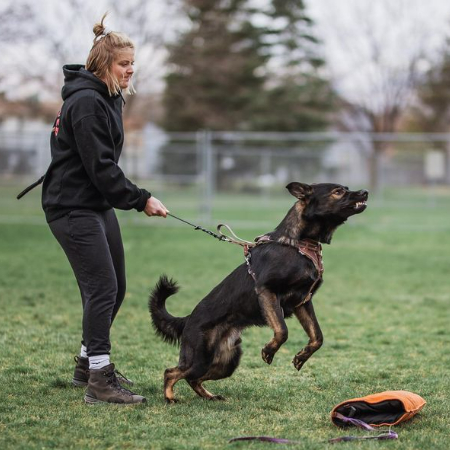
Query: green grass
<point>384,310</point>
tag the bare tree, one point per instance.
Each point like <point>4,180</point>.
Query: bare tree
<point>59,33</point>
<point>14,32</point>
<point>384,45</point>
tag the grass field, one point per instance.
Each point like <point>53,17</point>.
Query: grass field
<point>384,310</point>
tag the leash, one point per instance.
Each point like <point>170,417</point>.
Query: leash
<point>378,437</point>
<point>385,435</point>
<point>225,238</point>
<point>221,236</point>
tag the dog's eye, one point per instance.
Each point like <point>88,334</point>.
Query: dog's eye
<point>339,191</point>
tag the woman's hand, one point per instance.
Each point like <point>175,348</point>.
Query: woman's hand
<point>155,208</point>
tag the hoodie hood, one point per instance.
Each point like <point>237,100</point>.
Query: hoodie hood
<point>77,78</point>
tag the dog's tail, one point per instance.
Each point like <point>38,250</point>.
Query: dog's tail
<point>166,326</point>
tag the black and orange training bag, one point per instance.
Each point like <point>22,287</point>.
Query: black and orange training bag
<point>382,409</point>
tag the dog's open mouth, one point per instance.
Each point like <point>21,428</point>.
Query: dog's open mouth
<point>359,205</point>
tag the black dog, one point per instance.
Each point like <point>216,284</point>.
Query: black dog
<point>284,271</point>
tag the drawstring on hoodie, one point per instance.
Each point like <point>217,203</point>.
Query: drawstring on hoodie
<point>121,96</point>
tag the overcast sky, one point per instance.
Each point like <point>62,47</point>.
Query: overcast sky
<point>400,27</point>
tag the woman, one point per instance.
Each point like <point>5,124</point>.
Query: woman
<point>81,187</point>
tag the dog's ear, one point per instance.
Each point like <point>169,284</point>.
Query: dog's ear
<point>300,190</point>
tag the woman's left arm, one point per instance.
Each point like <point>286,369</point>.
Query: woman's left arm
<point>96,148</point>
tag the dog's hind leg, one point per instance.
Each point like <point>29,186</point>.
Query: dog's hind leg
<point>196,385</point>
<point>307,317</point>
<point>273,314</point>
<point>192,376</point>
<point>224,365</point>
<point>172,376</point>
<point>193,363</point>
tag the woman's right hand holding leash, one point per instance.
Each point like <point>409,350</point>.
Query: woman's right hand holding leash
<point>155,208</point>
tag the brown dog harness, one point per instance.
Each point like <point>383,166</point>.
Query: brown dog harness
<point>307,247</point>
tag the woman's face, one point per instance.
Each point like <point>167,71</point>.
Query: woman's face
<point>122,67</point>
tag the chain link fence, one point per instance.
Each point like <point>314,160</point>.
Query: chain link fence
<point>207,164</point>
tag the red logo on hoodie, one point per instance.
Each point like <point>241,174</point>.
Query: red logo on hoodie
<point>56,124</point>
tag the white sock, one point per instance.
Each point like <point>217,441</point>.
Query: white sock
<point>83,352</point>
<point>98,361</point>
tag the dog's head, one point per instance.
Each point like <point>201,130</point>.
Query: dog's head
<point>328,201</point>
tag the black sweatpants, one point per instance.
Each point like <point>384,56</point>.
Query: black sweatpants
<point>93,245</point>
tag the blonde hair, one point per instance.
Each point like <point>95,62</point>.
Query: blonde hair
<point>101,57</point>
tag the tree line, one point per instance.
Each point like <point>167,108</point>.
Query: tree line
<point>239,64</point>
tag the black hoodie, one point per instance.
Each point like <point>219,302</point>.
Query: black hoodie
<point>86,143</point>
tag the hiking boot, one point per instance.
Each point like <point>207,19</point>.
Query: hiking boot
<point>103,387</point>
<point>81,374</point>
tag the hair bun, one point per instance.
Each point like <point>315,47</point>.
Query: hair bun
<point>100,29</point>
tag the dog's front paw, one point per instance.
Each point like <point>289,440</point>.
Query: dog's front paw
<point>171,401</point>
<point>298,362</point>
<point>267,354</point>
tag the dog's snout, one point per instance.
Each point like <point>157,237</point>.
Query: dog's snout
<point>363,193</point>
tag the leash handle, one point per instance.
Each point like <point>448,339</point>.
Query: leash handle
<point>235,239</point>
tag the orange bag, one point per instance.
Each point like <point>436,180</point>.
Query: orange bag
<point>382,409</point>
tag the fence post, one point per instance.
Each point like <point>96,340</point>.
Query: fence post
<point>208,174</point>
<point>447,169</point>
<point>266,170</point>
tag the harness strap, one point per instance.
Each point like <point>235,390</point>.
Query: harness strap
<point>247,256</point>
<point>313,251</point>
